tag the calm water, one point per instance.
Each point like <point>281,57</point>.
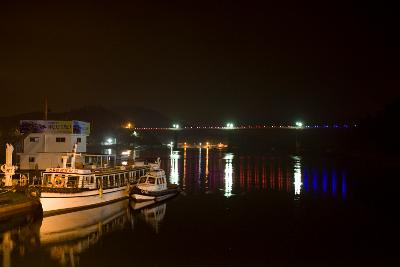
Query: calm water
<point>236,209</point>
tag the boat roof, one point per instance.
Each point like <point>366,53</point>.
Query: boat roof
<point>106,171</point>
<point>68,171</point>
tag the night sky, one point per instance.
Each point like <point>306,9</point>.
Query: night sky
<point>193,60</point>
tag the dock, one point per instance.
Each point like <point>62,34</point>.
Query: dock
<point>15,203</point>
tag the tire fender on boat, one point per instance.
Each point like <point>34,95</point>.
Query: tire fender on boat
<point>58,181</point>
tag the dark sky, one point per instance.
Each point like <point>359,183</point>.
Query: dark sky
<point>196,60</point>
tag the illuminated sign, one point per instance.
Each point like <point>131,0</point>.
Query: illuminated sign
<point>66,127</point>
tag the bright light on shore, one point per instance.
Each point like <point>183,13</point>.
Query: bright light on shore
<point>129,125</point>
<point>299,124</point>
<point>229,125</point>
<point>176,126</point>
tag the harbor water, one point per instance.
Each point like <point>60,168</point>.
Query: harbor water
<point>235,209</point>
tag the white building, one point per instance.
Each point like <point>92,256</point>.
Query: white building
<point>46,142</point>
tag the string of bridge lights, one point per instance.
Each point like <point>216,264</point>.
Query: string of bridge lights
<point>231,126</point>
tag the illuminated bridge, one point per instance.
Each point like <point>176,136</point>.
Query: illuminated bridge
<point>230,126</point>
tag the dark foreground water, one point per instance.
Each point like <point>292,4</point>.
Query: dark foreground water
<point>237,209</point>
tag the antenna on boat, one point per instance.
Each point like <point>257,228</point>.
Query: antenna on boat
<point>73,158</point>
<point>158,161</point>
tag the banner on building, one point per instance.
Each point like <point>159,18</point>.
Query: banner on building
<point>81,127</point>
<point>66,127</point>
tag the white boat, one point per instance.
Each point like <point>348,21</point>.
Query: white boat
<point>68,188</point>
<point>153,186</point>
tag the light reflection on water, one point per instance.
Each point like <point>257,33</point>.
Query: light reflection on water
<point>228,178</point>
<point>220,171</point>
<point>297,176</point>
<point>64,237</point>
<point>174,170</point>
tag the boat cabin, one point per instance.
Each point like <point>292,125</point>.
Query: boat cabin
<point>155,180</point>
<point>86,179</point>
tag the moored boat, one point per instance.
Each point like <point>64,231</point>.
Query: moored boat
<point>153,186</point>
<point>68,188</point>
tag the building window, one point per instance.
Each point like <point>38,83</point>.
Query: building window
<point>34,139</point>
<point>31,159</point>
<point>60,139</point>
<point>78,140</point>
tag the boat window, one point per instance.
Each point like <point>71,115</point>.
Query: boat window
<point>46,179</point>
<point>92,179</point>
<point>105,181</point>
<point>151,180</point>
<point>72,181</point>
<point>143,180</point>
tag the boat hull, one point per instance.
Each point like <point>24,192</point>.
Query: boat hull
<point>142,195</point>
<point>56,203</point>
<point>140,198</point>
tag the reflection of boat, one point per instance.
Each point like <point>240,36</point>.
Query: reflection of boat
<point>70,234</point>
<point>151,212</point>
<point>153,186</point>
<point>142,204</point>
<point>154,215</point>
<point>78,224</point>
<point>64,236</point>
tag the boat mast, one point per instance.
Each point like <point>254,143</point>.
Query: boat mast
<point>45,108</point>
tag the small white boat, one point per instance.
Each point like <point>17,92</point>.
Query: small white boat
<point>153,186</point>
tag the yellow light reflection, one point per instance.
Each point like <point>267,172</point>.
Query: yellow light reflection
<point>206,181</point>
<point>200,161</point>
<point>7,247</point>
<point>184,169</point>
